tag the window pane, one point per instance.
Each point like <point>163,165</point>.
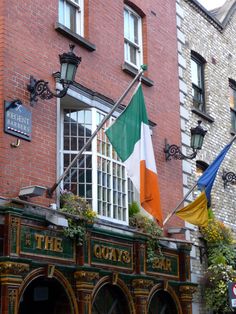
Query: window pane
<point>61,11</point>
<point>232,96</point>
<point>126,52</point>
<point>194,72</point>
<point>126,23</point>
<point>66,143</point>
<point>133,54</point>
<point>71,17</point>
<point>233,120</point>
<point>134,29</point>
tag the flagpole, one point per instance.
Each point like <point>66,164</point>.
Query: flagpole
<point>185,197</point>
<point>174,211</point>
<point>138,75</point>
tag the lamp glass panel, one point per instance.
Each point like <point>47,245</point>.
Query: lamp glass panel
<point>70,72</point>
<point>196,141</point>
<point>63,71</point>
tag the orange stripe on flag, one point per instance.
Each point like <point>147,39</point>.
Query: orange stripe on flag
<point>149,192</point>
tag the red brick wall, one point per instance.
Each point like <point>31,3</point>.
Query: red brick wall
<point>31,47</point>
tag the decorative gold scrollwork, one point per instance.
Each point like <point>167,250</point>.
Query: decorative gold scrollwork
<point>142,283</point>
<point>13,268</point>
<point>86,276</point>
<point>186,292</point>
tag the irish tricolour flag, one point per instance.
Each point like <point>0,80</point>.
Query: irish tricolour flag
<point>130,137</point>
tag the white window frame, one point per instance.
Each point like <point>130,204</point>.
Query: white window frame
<point>79,17</point>
<point>95,154</point>
<point>127,41</point>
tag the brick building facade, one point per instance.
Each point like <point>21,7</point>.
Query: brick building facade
<point>42,270</point>
<point>206,42</point>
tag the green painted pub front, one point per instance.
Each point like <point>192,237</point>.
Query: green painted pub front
<point>42,271</point>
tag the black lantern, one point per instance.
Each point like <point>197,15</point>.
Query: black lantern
<point>197,136</point>
<point>69,64</point>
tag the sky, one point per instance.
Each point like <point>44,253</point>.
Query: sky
<point>211,4</point>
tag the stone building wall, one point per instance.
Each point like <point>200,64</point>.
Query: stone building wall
<point>200,32</point>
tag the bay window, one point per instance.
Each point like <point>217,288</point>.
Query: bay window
<point>98,175</point>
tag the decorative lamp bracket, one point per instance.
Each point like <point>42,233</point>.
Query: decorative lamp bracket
<point>40,89</point>
<point>174,151</point>
<point>228,177</point>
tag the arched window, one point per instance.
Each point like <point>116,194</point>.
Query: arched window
<point>110,299</point>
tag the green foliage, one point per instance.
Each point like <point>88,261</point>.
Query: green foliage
<point>221,262</point>
<point>81,215</point>
<point>221,254</point>
<point>133,209</point>
<point>216,232</point>
<point>216,292</point>
<point>151,228</point>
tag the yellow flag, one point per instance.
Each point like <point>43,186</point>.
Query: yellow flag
<point>196,212</point>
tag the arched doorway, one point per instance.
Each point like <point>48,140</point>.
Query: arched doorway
<point>110,299</point>
<point>43,296</point>
<point>162,303</point>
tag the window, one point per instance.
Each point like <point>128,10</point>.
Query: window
<point>132,37</point>
<point>99,175</point>
<point>197,76</point>
<point>232,100</point>
<point>71,15</point>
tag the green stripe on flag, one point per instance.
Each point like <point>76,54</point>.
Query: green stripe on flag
<point>125,132</point>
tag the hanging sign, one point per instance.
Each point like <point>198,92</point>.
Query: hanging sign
<point>18,120</point>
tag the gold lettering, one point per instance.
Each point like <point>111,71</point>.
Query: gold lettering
<point>111,254</point>
<point>97,251</point>
<point>49,243</point>
<point>58,245</point>
<point>126,257</point>
<point>39,239</point>
<point>105,252</point>
<point>119,255</point>
<point>168,265</point>
<point>162,264</point>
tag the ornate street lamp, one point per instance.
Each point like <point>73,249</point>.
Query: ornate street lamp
<point>39,88</point>
<point>197,136</point>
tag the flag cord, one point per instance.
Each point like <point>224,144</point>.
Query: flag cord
<point>176,208</point>
<point>137,77</point>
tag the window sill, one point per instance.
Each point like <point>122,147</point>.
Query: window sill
<point>203,115</point>
<point>127,68</point>
<point>75,37</point>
